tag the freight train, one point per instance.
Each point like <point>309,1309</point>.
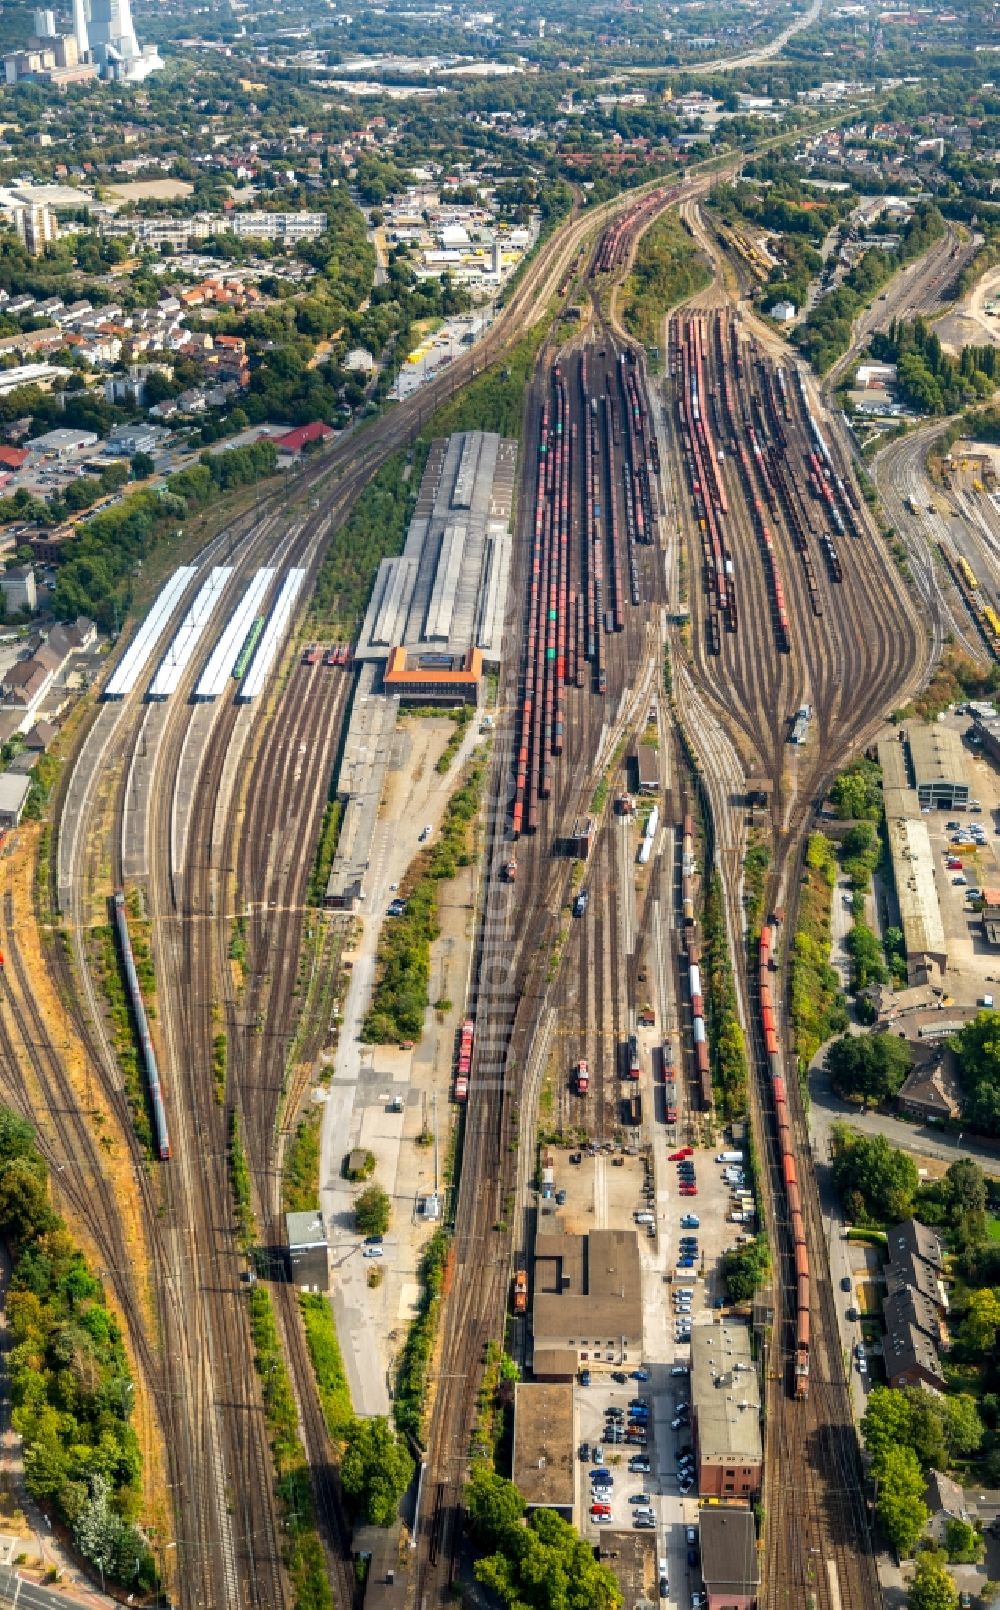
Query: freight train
<point>615,243</point>
<point>566,624</point>
<point>692,948</point>
<point>161,1133</point>
<point>789,1166</point>
<point>463,1062</point>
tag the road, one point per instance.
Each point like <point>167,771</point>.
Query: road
<point>16,1591</point>
<point>827,1109</point>
<point>730,64</point>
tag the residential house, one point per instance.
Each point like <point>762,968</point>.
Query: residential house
<point>914,1278</point>
<point>945,1502</point>
<point>932,1092</point>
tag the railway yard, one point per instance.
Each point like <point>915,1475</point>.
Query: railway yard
<point>702,624</point>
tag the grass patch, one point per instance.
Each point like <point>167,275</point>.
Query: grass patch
<point>324,1350</point>
<point>302,1547</point>
<point>401,998</point>
<point>410,1405</point>
<point>668,268</point>
<point>725,1036</point>
<point>326,849</point>
<point>104,952</point>
<point>239,1179</point>
<point>817,1007</point>
<point>300,1178</point>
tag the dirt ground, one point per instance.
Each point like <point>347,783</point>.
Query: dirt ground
<point>17,875</point>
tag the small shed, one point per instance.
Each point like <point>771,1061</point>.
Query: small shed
<point>647,769</point>
<point>308,1267</point>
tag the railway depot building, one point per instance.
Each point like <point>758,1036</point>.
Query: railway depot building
<point>433,628</point>
<point>914,869</point>
<point>725,1411</point>
<point>445,596</point>
<point>587,1297</point>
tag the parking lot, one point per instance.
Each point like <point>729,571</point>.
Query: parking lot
<point>597,1192</point>
<point>973,967</point>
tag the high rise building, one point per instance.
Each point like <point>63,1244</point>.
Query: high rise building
<point>80,33</point>
<point>36,226</point>
<point>111,32</point>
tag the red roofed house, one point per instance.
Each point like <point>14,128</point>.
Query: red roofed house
<point>291,444</point>
<point>12,458</point>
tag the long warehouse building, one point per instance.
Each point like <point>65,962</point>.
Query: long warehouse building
<point>270,642</point>
<point>222,660</point>
<point>140,651</point>
<point>914,870</point>
<point>189,634</point>
<point>446,593</point>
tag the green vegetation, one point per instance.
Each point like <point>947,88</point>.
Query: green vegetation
<point>372,1211</point>
<point>362,1170</point>
<point>816,1003</point>
<point>746,1268</point>
<point>239,1178</point>
<point>374,530</point>
<point>300,1176</point>
<point>326,849</point>
<point>962,1542</point>
<point>461,717</point>
<point>533,1566</point>
<point>401,998</point>
<point>875,1182</point>
<point>978,1050</point>
<point>123,1038</point>
<point>725,1036</point>
<point>928,379</point>
<point>303,1550</point>
<point>376,1470</point>
<point>908,1434</point>
<point>668,269</point>
<point>825,333</point>
<point>494,400</point>
<point>327,1362</point>
<point>70,1385</point>
<point>756,863</point>
<point>931,1588</point>
<point>220,1046</point>
<point>869,1068</point>
<point>95,578</point>
<point>409,1406</point>
<point>857,792</point>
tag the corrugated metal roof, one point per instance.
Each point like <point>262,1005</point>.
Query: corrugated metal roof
<point>916,889</point>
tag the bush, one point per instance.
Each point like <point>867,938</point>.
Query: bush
<point>372,1211</point>
<point>361,1171</point>
<point>868,1067</point>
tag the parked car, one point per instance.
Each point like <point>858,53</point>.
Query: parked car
<point>639,1465</point>
<point>643,1500</point>
<point>845,1284</point>
<point>640,1375</point>
<point>690,1221</point>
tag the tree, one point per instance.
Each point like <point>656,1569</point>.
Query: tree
<point>899,1505</point>
<point>869,1067</point>
<point>965,1184</point>
<point>376,1469</point>
<point>881,1177</point>
<point>932,1587</point>
<point>857,792</point>
<point>745,1268</point>
<point>496,1508</point>
<point>886,1421</point>
<point>24,1200</point>
<point>981,1321</point>
<point>963,1542</point>
<point>372,1210</point>
<point>142,465</point>
<point>978,1048</point>
<point>963,1426</point>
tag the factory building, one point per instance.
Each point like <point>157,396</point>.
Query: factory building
<point>914,870</point>
<point>937,760</point>
<point>434,678</point>
<point>587,1296</point>
<point>446,593</point>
